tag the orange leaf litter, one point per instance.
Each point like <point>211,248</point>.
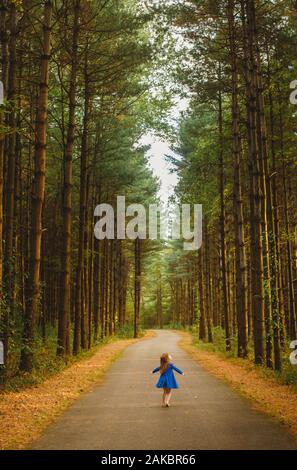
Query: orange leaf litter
<point>25,414</point>
<point>266,394</point>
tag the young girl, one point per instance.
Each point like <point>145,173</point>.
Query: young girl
<point>167,380</point>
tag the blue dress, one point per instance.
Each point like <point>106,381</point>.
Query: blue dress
<point>167,380</point>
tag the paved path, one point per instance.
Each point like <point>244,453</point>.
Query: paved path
<point>125,413</point>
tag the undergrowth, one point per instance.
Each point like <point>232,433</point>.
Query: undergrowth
<point>287,376</point>
<point>46,363</point>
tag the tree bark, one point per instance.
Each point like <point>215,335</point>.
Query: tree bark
<point>222,230</point>
<point>37,201</point>
<point>82,218</point>
<point>256,248</point>
<point>240,255</point>
<point>64,310</point>
<point>137,286</point>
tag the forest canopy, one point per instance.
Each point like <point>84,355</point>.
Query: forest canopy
<point>84,82</point>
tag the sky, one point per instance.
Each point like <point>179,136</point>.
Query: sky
<point>159,149</point>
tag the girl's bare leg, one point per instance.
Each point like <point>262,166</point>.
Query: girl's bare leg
<point>163,397</point>
<point>168,396</point>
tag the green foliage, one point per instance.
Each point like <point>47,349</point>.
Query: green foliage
<point>174,326</point>
<point>46,362</point>
<point>218,344</point>
<point>126,331</point>
<point>288,375</point>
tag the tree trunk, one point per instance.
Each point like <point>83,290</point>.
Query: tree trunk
<point>33,280</point>
<point>291,300</point>
<point>207,278</point>
<point>240,255</point>
<point>202,320</point>
<point>222,231</point>
<point>273,239</point>
<point>82,217</point>
<point>9,189</point>
<point>64,311</point>
<point>256,248</point>
<point>137,286</point>
<point>4,315</point>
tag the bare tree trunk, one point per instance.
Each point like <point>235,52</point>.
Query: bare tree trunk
<point>256,249</point>
<point>222,231</point>
<point>64,311</point>
<point>33,280</point>
<point>97,281</point>
<point>202,319</point>
<point>121,284</point>
<point>4,313</point>
<point>291,300</point>
<point>240,255</point>
<point>82,217</point>
<point>273,238</point>
<point>207,278</point>
<point>4,70</point>
<point>137,286</point>
<point>102,290</point>
<point>9,190</point>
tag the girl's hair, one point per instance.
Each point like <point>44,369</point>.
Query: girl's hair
<point>164,362</point>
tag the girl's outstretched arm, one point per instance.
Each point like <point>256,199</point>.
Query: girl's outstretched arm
<point>155,370</point>
<point>177,369</point>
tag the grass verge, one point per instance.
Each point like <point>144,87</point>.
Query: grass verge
<point>24,414</point>
<point>264,390</point>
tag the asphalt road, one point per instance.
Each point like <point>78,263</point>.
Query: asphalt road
<point>125,411</point>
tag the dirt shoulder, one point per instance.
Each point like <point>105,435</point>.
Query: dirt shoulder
<point>266,394</point>
<point>25,414</point>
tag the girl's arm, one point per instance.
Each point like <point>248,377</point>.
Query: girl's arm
<point>177,369</point>
<point>155,370</point>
